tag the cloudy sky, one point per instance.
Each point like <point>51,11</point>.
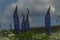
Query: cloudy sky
<point>38,9</point>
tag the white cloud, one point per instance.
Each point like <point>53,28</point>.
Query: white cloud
<point>52,8</point>
<point>35,7</point>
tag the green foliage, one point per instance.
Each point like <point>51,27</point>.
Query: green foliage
<point>9,35</point>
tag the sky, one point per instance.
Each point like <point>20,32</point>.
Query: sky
<point>37,8</point>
